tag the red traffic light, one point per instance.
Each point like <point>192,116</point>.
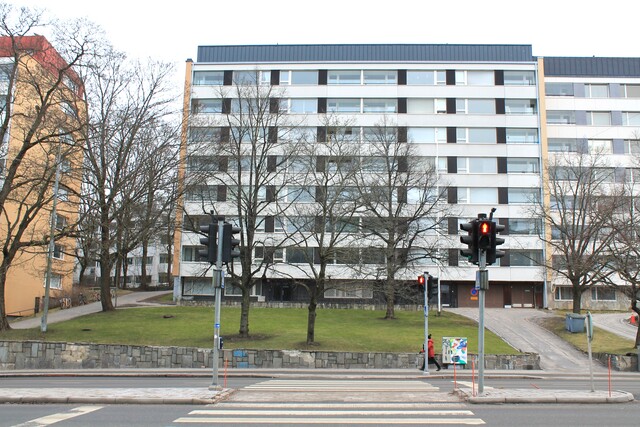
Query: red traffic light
<point>485,228</point>
<point>421,280</point>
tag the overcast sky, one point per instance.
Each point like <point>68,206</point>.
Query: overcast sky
<point>172,31</point>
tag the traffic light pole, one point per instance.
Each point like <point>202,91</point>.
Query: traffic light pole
<point>482,283</point>
<point>218,285</point>
<point>426,323</point>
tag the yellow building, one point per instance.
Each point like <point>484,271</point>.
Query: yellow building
<point>42,133</point>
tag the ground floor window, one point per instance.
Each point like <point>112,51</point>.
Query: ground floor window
<point>348,292</point>
<point>603,294</point>
<point>563,293</point>
<point>197,286</point>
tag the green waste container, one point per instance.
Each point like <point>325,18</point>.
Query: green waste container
<point>575,322</point>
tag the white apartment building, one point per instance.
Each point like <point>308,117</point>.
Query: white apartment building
<point>472,109</point>
<point>593,107</point>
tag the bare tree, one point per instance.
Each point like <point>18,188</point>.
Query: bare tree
<point>246,183</point>
<point>583,200</point>
<point>403,202</point>
<point>319,212</point>
<point>41,128</point>
<point>130,129</point>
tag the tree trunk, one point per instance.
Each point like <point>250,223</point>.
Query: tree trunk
<point>389,294</point>
<point>244,311</point>
<point>143,267</point>
<point>314,292</point>
<point>577,299</point>
<point>4,322</point>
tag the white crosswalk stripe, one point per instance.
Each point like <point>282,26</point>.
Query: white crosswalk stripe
<point>285,411</point>
<point>59,417</point>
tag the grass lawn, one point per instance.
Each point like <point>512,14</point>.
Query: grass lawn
<point>603,341</point>
<point>270,328</point>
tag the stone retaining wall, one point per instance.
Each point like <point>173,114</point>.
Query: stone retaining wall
<point>62,355</point>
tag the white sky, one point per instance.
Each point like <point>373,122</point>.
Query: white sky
<point>172,31</point>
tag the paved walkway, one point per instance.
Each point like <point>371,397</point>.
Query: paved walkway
<point>520,329</point>
<point>137,299</point>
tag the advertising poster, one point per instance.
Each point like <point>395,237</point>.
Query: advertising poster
<point>454,350</point>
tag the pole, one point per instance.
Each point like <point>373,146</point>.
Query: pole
<point>483,267</point>
<point>218,284</point>
<point>426,322</point>
<point>52,244</point>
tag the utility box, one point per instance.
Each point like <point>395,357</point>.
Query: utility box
<point>574,323</point>
<point>454,350</point>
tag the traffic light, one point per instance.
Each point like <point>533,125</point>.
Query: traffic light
<point>421,283</point>
<point>210,242</point>
<point>492,252</point>
<point>229,243</point>
<point>484,234</point>
<point>432,287</point>
<point>471,240</point>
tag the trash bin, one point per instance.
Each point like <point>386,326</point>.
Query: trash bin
<point>575,322</point>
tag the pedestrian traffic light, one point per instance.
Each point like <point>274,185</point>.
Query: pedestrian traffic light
<point>492,252</point>
<point>229,243</point>
<point>210,242</point>
<point>432,286</point>
<point>421,283</point>
<point>471,240</point>
<point>484,234</point>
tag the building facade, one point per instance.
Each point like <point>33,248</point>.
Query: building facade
<point>471,111</point>
<point>42,121</point>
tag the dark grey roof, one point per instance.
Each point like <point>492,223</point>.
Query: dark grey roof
<point>366,53</point>
<point>592,67</point>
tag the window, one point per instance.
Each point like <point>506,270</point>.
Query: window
<point>521,196</point>
<point>58,251</point>
<point>380,105</point>
<point>301,105</point>
<point>525,226</point>
<point>632,175</point>
<point>421,106</point>
<point>600,146</point>
<point>213,78</point>
<point>559,89</point>
<point>190,253</point>
<point>631,118</point>
<point>563,293</point>
<point>603,294</point>
<point>475,106</point>
<point>252,77</point>
<point>596,90</point>
<point>477,165</point>
<point>343,105</point>
<point>202,193</point>
<point>348,292</point>
<point>631,146</point>
<point>300,224</point>
<point>476,135</point>
<point>599,118</point>
<point>561,117</point>
<point>430,77</point>
<point>63,194</point>
<point>298,77</point>
<point>164,258</point>
<point>563,145</point>
<point>475,78</point>
<point>297,134</point>
<point>519,78</point>
<point>522,136</point>
<point>523,165</point>
<point>61,222</point>
<point>345,77</point>
<point>387,77</point>
<point>206,106</point>
<point>377,134</point>
<point>468,195</point>
<point>630,91</point>
<point>299,255</point>
<point>343,134</point>
<point>520,106</point>
<point>422,135</point>
<point>55,281</point>
<point>202,134</point>
<point>300,195</point>
<point>525,258</point>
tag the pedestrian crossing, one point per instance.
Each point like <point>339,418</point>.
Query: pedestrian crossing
<point>326,403</point>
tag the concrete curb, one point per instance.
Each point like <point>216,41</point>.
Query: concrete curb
<point>499,396</point>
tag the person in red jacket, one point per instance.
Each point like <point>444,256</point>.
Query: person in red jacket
<point>432,353</point>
